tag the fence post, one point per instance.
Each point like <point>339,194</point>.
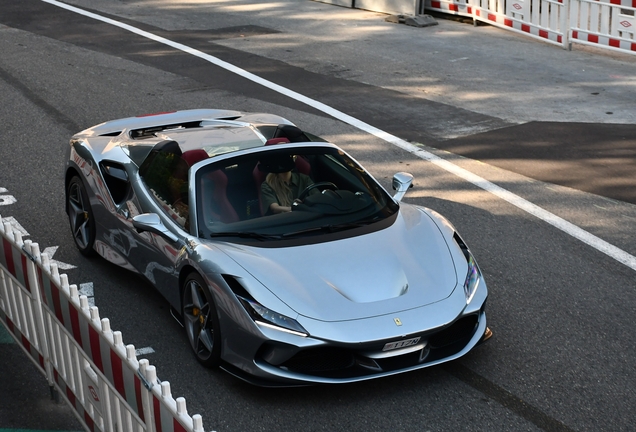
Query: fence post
<point>565,25</point>
<point>148,376</point>
<point>32,252</point>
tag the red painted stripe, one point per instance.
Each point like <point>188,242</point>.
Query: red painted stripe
<point>26,344</point>
<point>453,7</point>
<point>140,409</point>
<point>10,325</point>
<point>89,422</point>
<point>177,427</point>
<point>615,2</point>
<point>157,409</point>
<point>615,43</point>
<point>633,48</point>
<point>55,294</point>
<point>592,38</point>
<point>41,360</point>
<point>543,34</point>
<point>436,5</point>
<point>70,396</point>
<point>8,255</point>
<point>508,22</point>
<point>25,272</point>
<point>42,288</point>
<point>470,10</point>
<point>74,315</point>
<point>118,375</point>
<point>575,34</point>
<point>96,351</point>
<point>492,17</point>
<point>525,28</point>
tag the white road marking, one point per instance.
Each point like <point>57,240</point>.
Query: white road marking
<point>50,251</point>
<point>143,351</point>
<point>523,204</point>
<point>87,290</point>
<point>7,200</point>
<point>16,225</point>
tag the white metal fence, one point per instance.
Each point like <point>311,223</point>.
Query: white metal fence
<point>604,23</point>
<point>78,353</point>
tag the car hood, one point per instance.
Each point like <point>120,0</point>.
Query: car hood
<point>404,266</point>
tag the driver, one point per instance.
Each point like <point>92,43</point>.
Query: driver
<point>282,186</point>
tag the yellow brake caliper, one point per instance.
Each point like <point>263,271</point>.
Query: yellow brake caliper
<point>197,313</point>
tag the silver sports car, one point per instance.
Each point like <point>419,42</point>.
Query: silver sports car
<point>285,260</point>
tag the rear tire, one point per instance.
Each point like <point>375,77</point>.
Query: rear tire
<point>201,321</point>
<point>80,216</point>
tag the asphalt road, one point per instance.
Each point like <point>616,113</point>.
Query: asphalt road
<point>553,127</point>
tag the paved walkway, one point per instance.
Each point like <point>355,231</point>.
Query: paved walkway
<point>20,381</point>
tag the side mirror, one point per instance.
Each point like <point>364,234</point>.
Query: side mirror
<point>152,223</point>
<point>401,183</point>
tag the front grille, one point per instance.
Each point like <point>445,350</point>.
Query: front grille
<point>460,331</point>
<point>342,362</point>
<point>320,360</point>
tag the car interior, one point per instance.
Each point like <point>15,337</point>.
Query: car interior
<point>230,189</point>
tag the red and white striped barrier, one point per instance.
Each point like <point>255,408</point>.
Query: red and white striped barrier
<point>461,8</point>
<point>87,362</point>
<point>541,19</point>
<point>605,23</point>
<point>20,309</point>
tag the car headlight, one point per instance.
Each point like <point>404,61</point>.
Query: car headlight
<point>474,274</point>
<point>472,279</point>
<point>268,318</point>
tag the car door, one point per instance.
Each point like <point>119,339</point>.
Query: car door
<point>161,210</point>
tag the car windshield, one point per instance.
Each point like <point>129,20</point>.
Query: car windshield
<point>287,193</point>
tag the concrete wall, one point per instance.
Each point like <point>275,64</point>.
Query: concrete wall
<point>402,7</point>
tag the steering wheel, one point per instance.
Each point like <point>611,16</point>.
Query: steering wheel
<point>325,185</point>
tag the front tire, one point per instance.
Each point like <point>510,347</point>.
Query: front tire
<point>80,216</point>
<point>201,321</point>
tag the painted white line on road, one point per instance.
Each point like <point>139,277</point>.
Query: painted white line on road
<point>87,290</point>
<point>7,200</point>
<point>144,351</point>
<point>50,251</point>
<point>16,226</point>
<point>523,204</point>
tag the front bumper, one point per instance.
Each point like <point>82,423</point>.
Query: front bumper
<point>353,351</point>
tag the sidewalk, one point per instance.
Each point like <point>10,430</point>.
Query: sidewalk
<point>20,381</point>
